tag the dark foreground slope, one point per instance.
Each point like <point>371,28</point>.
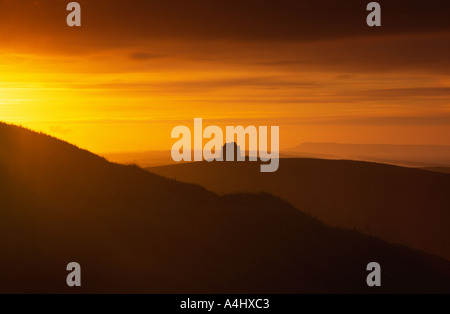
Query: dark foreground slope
<point>401,205</point>
<point>133,231</point>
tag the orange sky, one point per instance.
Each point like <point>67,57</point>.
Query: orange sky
<point>130,74</point>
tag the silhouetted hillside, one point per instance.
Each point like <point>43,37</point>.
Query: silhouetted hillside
<point>401,205</point>
<point>133,231</point>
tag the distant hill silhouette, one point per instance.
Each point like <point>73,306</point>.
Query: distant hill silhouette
<point>133,231</point>
<point>146,159</point>
<point>143,159</point>
<point>404,155</point>
<point>401,205</point>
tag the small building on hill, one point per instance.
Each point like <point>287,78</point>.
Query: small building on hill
<point>235,151</point>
